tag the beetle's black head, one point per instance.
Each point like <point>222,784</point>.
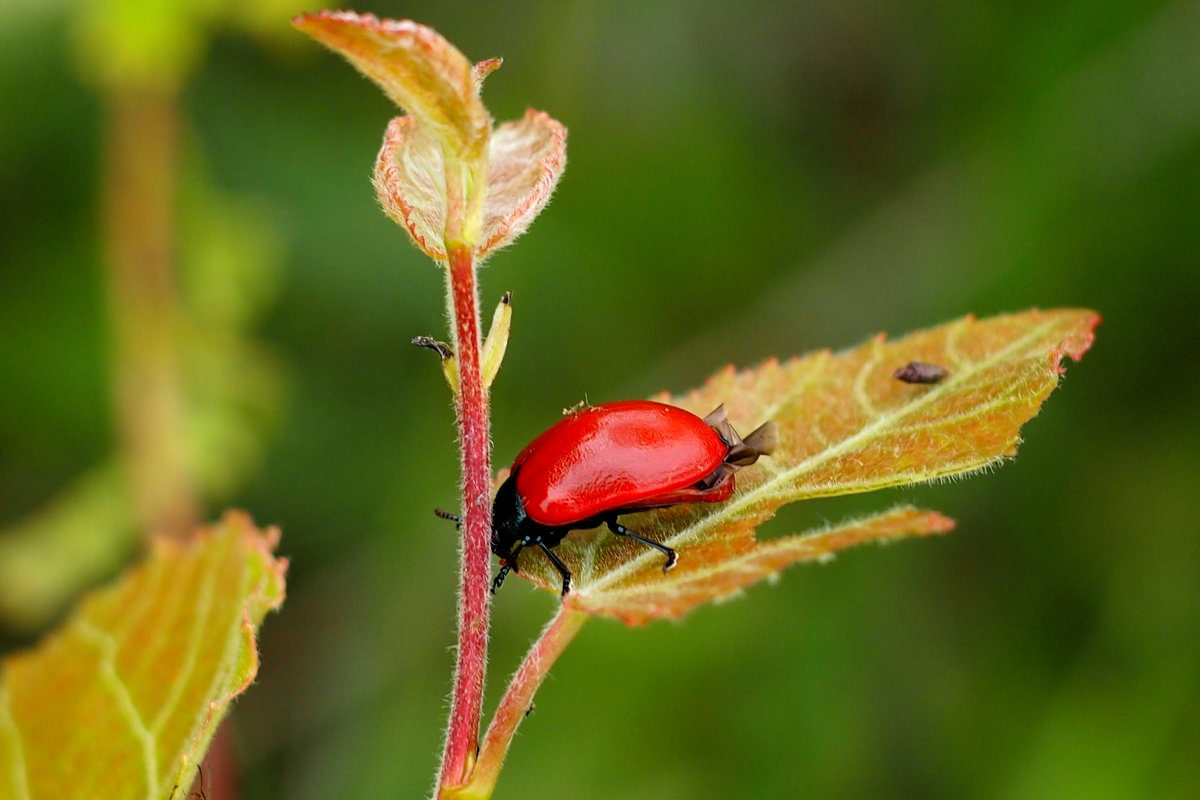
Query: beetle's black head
<point>509,520</point>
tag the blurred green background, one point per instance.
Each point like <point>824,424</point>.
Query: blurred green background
<point>745,180</point>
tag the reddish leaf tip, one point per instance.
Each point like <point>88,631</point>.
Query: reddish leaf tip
<point>484,68</point>
<point>1074,348</point>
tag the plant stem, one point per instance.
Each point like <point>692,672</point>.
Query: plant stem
<point>139,214</point>
<point>518,698</point>
<point>462,735</point>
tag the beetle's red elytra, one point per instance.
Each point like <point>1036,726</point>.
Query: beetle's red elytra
<point>603,461</point>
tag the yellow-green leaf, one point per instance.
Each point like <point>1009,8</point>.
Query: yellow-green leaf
<point>122,700</point>
<point>846,424</point>
<point>416,67</point>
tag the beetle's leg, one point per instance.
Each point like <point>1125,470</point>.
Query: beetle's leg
<point>507,565</point>
<point>621,530</point>
<point>449,515</point>
<point>558,565</point>
<point>498,581</point>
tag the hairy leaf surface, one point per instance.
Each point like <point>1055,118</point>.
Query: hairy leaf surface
<point>846,425</point>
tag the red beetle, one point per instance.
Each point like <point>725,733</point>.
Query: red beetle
<point>594,465</point>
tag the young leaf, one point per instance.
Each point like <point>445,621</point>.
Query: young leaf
<point>414,66</point>
<point>410,180</point>
<point>846,425</point>
<point>507,175</point>
<point>525,160</point>
<point>122,700</point>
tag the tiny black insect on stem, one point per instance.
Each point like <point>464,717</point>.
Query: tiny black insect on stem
<point>920,372</point>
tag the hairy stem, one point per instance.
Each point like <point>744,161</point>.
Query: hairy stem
<point>462,736</point>
<point>518,699</point>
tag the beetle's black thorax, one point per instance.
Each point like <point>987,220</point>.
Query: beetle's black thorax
<point>508,518</point>
<point>512,526</point>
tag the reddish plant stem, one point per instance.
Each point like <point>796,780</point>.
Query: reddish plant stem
<point>462,736</point>
<point>518,698</point>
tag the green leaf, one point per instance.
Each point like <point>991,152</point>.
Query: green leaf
<point>122,700</point>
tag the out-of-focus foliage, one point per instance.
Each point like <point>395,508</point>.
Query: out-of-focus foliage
<point>122,700</point>
<point>746,180</point>
<point>188,270</point>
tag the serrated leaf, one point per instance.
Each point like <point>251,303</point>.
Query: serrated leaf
<point>122,700</point>
<point>846,425</point>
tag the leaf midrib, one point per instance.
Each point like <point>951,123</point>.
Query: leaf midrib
<point>766,490</point>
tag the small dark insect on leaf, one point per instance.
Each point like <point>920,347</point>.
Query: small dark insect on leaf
<point>920,372</point>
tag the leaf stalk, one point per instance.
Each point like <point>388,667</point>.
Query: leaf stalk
<point>517,701</point>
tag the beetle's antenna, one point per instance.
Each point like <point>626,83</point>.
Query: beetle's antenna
<point>498,581</point>
<point>444,514</point>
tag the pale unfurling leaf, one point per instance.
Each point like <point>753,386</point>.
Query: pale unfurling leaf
<point>410,180</point>
<point>525,160</point>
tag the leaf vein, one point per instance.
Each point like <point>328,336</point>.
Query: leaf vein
<point>802,382</point>
<point>953,335</point>
<point>1011,398</point>
<point>227,666</point>
<point>191,656</point>
<point>860,380</point>
<point>107,645</point>
<point>775,487</point>
<point>203,609</point>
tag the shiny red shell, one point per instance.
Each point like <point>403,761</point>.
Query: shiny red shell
<point>619,457</point>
